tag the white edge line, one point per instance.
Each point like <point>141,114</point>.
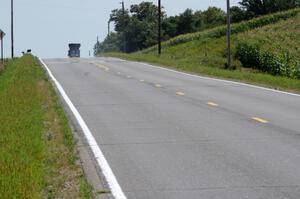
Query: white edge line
<point>214,79</point>
<point>99,156</point>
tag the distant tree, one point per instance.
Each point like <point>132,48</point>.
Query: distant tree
<point>112,43</point>
<point>142,30</point>
<point>145,11</point>
<point>190,21</point>
<point>214,16</point>
<point>262,7</point>
<point>120,20</point>
<point>200,23</point>
<point>239,14</point>
<point>97,47</point>
<point>137,26</point>
<point>170,26</point>
<point>186,22</point>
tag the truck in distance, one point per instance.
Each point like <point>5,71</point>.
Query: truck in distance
<point>74,50</point>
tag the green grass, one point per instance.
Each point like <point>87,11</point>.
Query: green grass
<point>283,36</point>
<point>37,158</point>
<point>274,48</point>
<point>2,64</point>
<point>207,55</point>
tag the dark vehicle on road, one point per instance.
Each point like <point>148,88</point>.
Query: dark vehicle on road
<point>74,50</point>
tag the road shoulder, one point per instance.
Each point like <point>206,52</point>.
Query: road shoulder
<point>91,170</point>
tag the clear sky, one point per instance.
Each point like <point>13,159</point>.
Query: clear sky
<point>47,26</point>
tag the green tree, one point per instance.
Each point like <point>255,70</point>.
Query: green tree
<point>170,26</point>
<point>190,21</point>
<point>120,20</point>
<point>112,43</point>
<point>137,27</point>
<point>262,7</point>
<point>186,22</point>
<point>142,30</point>
<point>214,16</point>
<point>238,14</point>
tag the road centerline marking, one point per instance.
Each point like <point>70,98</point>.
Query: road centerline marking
<point>180,93</point>
<point>257,119</point>
<point>103,67</point>
<point>100,66</point>
<point>212,104</point>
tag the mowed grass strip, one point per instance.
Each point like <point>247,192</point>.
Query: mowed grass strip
<point>37,158</point>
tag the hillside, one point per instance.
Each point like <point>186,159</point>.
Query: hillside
<point>274,49</point>
<point>269,44</point>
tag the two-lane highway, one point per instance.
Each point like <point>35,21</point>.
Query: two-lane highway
<point>169,135</point>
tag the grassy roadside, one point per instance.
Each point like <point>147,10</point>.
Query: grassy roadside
<point>37,156</point>
<point>241,74</point>
<point>2,65</point>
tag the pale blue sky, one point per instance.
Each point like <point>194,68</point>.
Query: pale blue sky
<point>47,26</point>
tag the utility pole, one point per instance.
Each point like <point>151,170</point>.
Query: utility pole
<point>1,47</point>
<point>159,27</point>
<point>124,26</point>
<point>1,38</point>
<point>12,28</point>
<point>229,58</point>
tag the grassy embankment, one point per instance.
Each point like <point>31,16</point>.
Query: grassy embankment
<point>37,157</point>
<point>2,65</point>
<point>205,52</point>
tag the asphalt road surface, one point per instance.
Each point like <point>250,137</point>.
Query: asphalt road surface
<point>168,135</point>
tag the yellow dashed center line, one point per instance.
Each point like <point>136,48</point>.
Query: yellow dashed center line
<point>257,119</point>
<point>260,120</point>
<point>180,93</point>
<point>100,66</point>
<point>212,104</point>
<point>103,67</point>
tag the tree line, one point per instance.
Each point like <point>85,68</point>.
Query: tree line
<point>136,27</point>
